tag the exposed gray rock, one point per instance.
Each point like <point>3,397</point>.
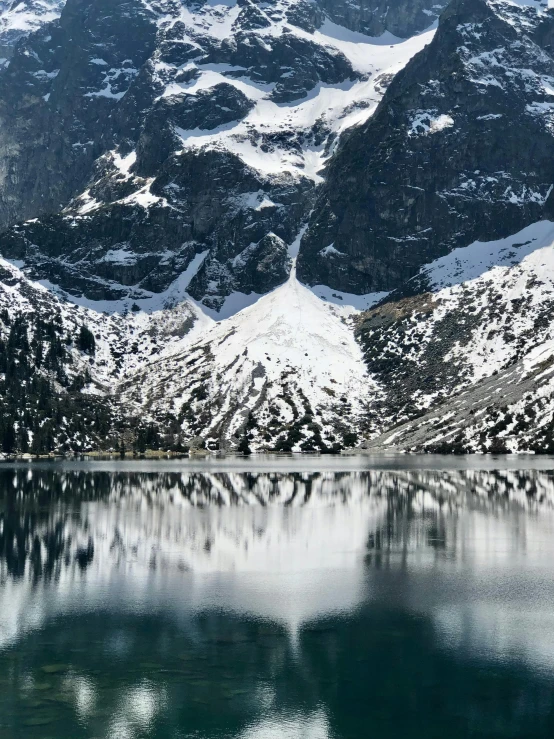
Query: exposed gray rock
<point>206,110</point>
<point>251,17</point>
<point>294,64</point>
<point>207,201</point>
<point>57,98</point>
<point>374,17</point>
<point>459,150</point>
<point>259,267</point>
<point>306,15</point>
<point>510,411</point>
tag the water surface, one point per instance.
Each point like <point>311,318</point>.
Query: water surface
<point>301,598</point>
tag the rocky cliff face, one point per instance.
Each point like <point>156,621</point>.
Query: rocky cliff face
<point>206,209</point>
<point>154,138</point>
<point>458,150</point>
<point>164,164</point>
<point>18,18</point>
<point>374,17</point>
<point>57,99</point>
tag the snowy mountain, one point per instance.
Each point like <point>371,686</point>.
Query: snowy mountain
<point>198,129</point>
<point>468,124</point>
<point>288,225</point>
<point>486,331</point>
<point>18,18</point>
<point>285,373</point>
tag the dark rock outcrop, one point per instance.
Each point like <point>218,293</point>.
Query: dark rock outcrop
<point>459,150</point>
<point>201,202</point>
<point>294,65</point>
<point>57,99</point>
<point>113,79</point>
<point>374,17</point>
<point>206,110</point>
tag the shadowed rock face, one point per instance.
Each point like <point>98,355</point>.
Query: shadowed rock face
<point>117,78</point>
<point>57,99</point>
<point>201,202</point>
<point>458,150</point>
<point>100,111</point>
<point>374,17</point>
<point>207,110</point>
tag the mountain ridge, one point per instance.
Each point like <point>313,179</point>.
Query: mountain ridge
<point>284,234</point>
<point>466,177</point>
<point>229,110</point>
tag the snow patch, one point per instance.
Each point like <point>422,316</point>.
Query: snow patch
<point>426,122</point>
<point>348,300</point>
<point>125,163</point>
<point>330,250</point>
<point>472,261</point>
<point>335,107</point>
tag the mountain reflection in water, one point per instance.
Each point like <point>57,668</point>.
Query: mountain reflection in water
<point>408,603</point>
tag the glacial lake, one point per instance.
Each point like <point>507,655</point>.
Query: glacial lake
<point>278,598</point>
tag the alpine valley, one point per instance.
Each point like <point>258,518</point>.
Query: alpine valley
<point>276,225</point>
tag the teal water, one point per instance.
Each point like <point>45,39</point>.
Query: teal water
<point>266,599</point>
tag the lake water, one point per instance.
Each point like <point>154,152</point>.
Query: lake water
<point>278,598</point>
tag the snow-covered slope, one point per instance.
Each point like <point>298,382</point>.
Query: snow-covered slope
<point>60,364</point>
<point>284,373</point>
<point>172,161</point>
<point>478,352</point>
<point>18,18</point>
<point>124,341</point>
<point>295,134</point>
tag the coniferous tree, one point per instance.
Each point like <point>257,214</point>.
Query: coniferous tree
<point>86,341</point>
<point>9,439</point>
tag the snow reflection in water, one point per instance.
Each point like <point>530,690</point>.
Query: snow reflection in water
<point>241,602</point>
